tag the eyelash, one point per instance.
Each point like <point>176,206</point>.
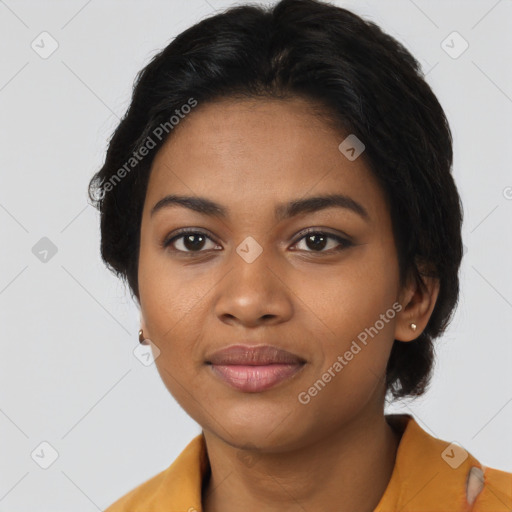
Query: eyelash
<point>310,231</point>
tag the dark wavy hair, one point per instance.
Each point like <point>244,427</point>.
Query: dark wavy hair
<point>367,83</point>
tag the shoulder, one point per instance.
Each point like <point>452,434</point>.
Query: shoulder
<point>434,474</point>
<point>496,491</point>
<point>176,487</point>
<point>142,495</point>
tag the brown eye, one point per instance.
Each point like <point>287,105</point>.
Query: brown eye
<point>317,241</point>
<point>189,241</point>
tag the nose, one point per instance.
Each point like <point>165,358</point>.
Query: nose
<point>254,293</point>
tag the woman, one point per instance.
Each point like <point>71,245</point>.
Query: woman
<point>279,200</point>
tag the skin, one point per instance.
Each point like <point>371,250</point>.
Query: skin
<point>267,450</point>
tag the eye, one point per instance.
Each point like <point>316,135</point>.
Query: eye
<point>188,241</point>
<point>318,240</point>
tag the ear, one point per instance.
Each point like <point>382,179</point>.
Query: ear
<point>418,298</point>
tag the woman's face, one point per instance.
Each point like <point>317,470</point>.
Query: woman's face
<point>256,277</point>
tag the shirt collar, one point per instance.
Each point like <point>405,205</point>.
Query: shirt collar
<point>428,473</point>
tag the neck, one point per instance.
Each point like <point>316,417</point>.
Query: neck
<point>350,468</point>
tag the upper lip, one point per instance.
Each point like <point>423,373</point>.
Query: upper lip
<point>253,355</point>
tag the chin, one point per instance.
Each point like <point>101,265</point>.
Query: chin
<point>270,436</point>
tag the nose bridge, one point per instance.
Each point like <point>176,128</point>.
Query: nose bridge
<point>251,262</point>
<point>253,288</point>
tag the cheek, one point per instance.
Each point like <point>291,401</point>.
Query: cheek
<point>167,296</point>
<point>356,309</point>
<point>352,297</point>
<point>168,304</point>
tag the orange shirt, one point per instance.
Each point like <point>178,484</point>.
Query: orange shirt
<point>430,475</point>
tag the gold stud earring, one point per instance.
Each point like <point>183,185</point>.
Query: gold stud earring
<point>413,327</point>
<point>141,338</point>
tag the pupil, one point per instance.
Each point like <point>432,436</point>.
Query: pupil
<point>190,245</point>
<point>310,241</point>
<point>316,246</point>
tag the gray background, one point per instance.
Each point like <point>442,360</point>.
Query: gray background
<point>68,373</point>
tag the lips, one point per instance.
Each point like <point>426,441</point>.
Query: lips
<point>254,369</point>
<point>253,356</point>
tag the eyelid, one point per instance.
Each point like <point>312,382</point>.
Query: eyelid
<point>179,233</point>
<point>326,231</point>
<point>344,240</point>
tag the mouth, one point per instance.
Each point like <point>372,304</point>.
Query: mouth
<point>254,369</point>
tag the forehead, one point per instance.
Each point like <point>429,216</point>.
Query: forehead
<point>253,152</point>
<point>249,127</point>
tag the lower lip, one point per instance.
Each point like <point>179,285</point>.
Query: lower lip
<point>253,379</point>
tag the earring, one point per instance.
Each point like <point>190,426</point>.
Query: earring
<point>141,338</point>
<point>412,326</point>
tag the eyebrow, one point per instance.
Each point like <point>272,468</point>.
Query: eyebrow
<point>282,211</point>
